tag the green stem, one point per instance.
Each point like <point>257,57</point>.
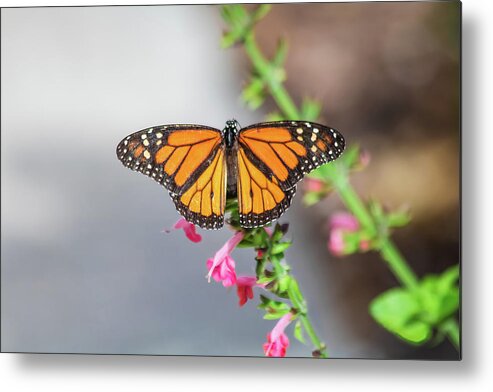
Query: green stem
<point>264,69</point>
<point>397,264</point>
<point>322,353</point>
<point>351,199</point>
<point>299,303</point>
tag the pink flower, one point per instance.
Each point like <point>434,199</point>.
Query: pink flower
<point>343,221</point>
<point>221,257</point>
<point>312,185</point>
<point>339,224</point>
<point>188,228</point>
<point>224,271</point>
<point>244,288</point>
<point>277,340</point>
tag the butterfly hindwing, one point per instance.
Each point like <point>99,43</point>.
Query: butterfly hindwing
<point>204,201</point>
<point>272,158</point>
<point>189,161</point>
<point>260,199</point>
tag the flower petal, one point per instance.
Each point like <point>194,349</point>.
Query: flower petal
<point>344,221</point>
<point>225,250</point>
<point>336,243</point>
<point>188,228</point>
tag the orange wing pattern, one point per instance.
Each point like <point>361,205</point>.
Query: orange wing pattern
<point>189,161</point>
<point>260,199</point>
<point>287,150</point>
<point>204,201</point>
<point>272,158</point>
<point>266,160</point>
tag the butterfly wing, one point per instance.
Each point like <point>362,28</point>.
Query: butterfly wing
<point>272,158</point>
<point>260,199</point>
<point>189,161</point>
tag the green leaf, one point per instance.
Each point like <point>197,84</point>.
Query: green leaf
<point>254,93</point>
<point>281,53</point>
<point>273,309</point>
<point>229,39</point>
<point>265,279</point>
<point>277,234</point>
<point>283,283</point>
<point>397,310</point>
<point>233,13</point>
<point>275,316</point>
<point>267,303</point>
<point>449,277</point>
<point>413,314</point>
<point>439,296</point>
<point>376,210</point>
<point>298,332</point>
<point>280,247</point>
<point>261,11</point>
<point>246,243</point>
<point>239,21</point>
<point>398,219</point>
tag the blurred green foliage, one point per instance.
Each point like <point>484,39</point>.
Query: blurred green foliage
<point>413,314</point>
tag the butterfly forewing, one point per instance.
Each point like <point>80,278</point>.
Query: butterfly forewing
<point>287,150</point>
<point>272,158</point>
<point>188,160</point>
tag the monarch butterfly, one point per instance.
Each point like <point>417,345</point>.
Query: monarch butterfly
<point>201,166</point>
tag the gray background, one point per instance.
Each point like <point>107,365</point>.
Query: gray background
<point>85,266</point>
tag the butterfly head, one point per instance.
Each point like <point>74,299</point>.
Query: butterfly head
<point>230,131</point>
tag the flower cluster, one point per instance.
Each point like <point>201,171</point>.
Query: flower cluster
<point>345,236</point>
<point>222,269</point>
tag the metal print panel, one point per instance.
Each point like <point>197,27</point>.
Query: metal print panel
<point>347,113</point>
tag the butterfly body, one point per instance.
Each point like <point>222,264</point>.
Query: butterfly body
<point>202,166</point>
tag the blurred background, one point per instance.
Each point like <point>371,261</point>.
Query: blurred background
<point>85,265</point>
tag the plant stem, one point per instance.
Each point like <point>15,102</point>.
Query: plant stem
<point>298,299</point>
<point>397,264</point>
<point>299,303</point>
<point>340,181</point>
<point>264,69</point>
